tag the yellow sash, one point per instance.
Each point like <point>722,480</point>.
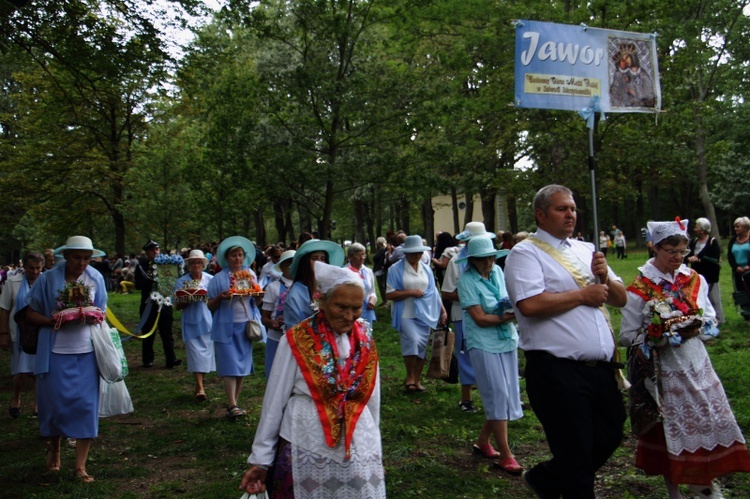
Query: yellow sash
<point>582,282</point>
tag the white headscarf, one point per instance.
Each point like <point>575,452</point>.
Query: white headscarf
<point>329,276</point>
<point>662,230</point>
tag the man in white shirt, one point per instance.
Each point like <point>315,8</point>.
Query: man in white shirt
<point>559,286</point>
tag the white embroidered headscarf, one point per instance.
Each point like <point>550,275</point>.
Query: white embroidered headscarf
<point>662,230</point>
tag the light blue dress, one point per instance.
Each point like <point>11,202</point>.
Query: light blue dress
<point>234,352</point>
<point>494,349</point>
<point>67,384</point>
<point>196,329</point>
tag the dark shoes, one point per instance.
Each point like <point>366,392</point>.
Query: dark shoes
<point>148,364</point>
<point>14,411</point>
<point>467,406</point>
<point>176,363</point>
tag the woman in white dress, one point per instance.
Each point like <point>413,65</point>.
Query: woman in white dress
<point>319,430</point>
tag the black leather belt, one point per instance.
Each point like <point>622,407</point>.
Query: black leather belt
<point>542,355</point>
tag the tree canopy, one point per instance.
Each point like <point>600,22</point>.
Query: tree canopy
<point>343,118</point>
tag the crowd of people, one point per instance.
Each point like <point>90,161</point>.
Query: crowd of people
<point>313,304</point>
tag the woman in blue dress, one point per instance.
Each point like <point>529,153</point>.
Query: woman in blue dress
<point>492,341</point>
<point>298,305</point>
<point>65,367</point>
<point>416,307</point>
<point>233,308</point>
<point>357,255</point>
<point>196,319</point>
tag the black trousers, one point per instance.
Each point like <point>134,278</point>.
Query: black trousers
<point>165,332</point>
<point>582,412</point>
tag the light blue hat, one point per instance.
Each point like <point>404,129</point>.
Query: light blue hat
<point>480,247</point>
<point>413,244</point>
<point>232,242</point>
<point>334,251</point>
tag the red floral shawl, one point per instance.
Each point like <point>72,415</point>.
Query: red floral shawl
<point>684,291</point>
<point>340,388</point>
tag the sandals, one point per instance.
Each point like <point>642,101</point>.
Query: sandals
<point>200,396</point>
<point>83,477</point>
<point>485,450</point>
<point>414,388</point>
<point>510,466</point>
<point>52,464</point>
<point>234,412</point>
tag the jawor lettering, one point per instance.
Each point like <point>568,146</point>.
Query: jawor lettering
<point>560,51</point>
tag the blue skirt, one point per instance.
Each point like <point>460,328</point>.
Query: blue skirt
<point>497,381</point>
<point>200,354</point>
<point>68,397</point>
<point>414,337</point>
<point>236,357</point>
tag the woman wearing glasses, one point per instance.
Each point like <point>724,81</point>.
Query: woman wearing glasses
<point>690,436</point>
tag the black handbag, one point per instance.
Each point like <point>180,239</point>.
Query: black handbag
<point>28,333</point>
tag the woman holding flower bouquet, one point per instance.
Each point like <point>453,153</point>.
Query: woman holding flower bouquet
<point>232,299</point>
<point>67,302</point>
<point>690,435</point>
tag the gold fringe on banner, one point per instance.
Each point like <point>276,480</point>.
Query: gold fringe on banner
<point>118,325</point>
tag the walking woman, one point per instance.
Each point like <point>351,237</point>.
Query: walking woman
<point>492,341</point>
<point>191,292</point>
<point>65,368</point>
<point>417,307</point>
<point>231,300</point>
<point>686,429</point>
<point>298,305</point>
<point>12,299</point>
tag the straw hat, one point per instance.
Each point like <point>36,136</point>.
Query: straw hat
<point>197,254</point>
<point>472,230</point>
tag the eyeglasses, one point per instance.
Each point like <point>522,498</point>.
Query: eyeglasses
<point>682,253</point>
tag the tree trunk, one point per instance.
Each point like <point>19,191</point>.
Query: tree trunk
<point>700,153</point>
<point>454,206</point>
<point>488,197</point>
<point>469,213</point>
<point>428,220</point>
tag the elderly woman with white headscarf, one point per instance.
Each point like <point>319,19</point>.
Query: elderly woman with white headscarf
<point>319,427</point>
<point>685,426</point>
<point>191,293</point>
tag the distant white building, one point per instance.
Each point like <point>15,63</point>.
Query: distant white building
<point>443,208</point>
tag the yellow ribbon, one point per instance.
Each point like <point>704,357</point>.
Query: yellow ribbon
<point>118,325</point>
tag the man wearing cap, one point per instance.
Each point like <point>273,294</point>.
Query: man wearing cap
<point>449,293</point>
<point>144,281</point>
<point>559,287</point>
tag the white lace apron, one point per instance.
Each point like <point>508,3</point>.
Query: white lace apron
<point>320,471</point>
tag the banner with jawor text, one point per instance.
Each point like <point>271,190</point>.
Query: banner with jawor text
<point>571,68</point>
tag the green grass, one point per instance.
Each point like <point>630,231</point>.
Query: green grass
<point>171,446</point>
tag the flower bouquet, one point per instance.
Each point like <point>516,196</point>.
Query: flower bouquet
<point>191,292</point>
<point>74,304</point>
<point>242,283</point>
<point>671,322</point>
